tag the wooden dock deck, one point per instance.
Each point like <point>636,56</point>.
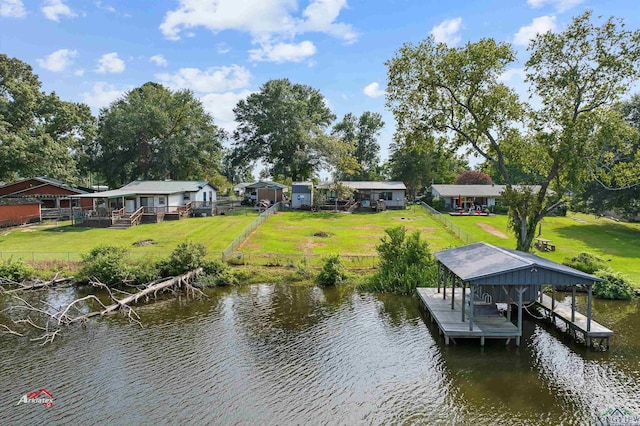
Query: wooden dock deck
<point>450,324</point>
<point>579,323</point>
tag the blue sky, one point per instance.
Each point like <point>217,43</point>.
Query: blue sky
<point>94,51</point>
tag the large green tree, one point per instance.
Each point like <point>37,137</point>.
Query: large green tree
<point>577,74</point>
<point>361,133</point>
<point>418,160</point>
<point>40,134</point>
<point>155,133</point>
<point>617,194</point>
<point>283,125</point>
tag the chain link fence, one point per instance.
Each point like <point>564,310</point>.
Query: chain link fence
<point>249,229</point>
<point>448,223</point>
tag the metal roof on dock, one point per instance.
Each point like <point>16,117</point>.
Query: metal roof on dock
<point>483,263</point>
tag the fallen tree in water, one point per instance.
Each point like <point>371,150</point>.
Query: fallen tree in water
<point>52,318</point>
<point>27,285</point>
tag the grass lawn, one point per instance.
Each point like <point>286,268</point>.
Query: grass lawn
<point>615,241</point>
<point>293,232</point>
<point>55,241</point>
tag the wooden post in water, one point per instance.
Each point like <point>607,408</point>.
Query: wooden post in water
<point>573,303</point>
<point>453,289</point>
<point>472,288</point>
<point>444,283</point>
<point>464,291</point>
<point>520,291</point>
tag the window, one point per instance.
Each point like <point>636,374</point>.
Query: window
<point>161,201</point>
<point>187,196</point>
<point>387,196</point>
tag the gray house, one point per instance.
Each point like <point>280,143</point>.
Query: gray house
<point>301,194</point>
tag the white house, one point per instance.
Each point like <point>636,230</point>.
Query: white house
<point>368,193</point>
<point>158,196</point>
<point>466,196</point>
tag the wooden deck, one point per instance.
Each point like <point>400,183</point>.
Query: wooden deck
<point>449,321</point>
<point>579,323</point>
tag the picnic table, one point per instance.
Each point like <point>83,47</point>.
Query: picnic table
<point>543,244</point>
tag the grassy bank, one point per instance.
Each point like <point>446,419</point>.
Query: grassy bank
<point>65,242</point>
<point>617,242</point>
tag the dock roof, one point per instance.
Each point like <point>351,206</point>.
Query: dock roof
<point>483,263</point>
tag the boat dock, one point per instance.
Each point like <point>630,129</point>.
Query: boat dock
<point>575,322</point>
<point>449,324</point>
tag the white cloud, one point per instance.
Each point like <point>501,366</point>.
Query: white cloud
<point>54,9</point>
<point>447,31</point>
<point>159,60</point>
<point>110,63</point>
<point>58,60</point>
<point>283,52</point>
<point>560,5</point>
<point>373,90</point>
<point>101,95</point>
<point>215,79</point>
<point>512,74</point>
<point>223,48</point>
<point>220,106</point>
<point>12,9</point>
<point>79,72</point>
<point>106,7</point>
<point>539,25</point>
<point>272,24</point>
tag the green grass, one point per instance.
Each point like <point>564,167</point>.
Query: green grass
<point>617,242</point>
<point>348,234</point>
<point>49,241</point>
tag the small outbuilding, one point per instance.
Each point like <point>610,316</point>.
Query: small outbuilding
<point>301,195</point>
<point>265,190</point>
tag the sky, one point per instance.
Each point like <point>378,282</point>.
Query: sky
<point>223,50</point>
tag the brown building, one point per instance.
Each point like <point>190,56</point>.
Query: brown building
<point>54,195</point>
<point>51,192</point>
<point>18,211</point>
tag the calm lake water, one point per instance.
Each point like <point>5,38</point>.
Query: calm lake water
<point>277,354</point>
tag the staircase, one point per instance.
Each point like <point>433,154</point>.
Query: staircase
<point>121,220</point>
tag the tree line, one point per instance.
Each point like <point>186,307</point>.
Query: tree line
<point>152,132</point>
<point>576,141</point>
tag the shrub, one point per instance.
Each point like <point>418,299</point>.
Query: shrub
<point>185,257</point>
<point>105,264</point>
<point>586,262</point>
<point>405,263</point>
<point>438,204</point>
<point>144,272</point>
<point>15,270</point>
<point>615,286</point>
<point>332,272</point>
<point>217,274</point>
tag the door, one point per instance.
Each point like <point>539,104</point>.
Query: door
<point>147,203</point>
<point>130,206</point>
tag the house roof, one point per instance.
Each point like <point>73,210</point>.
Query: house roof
<point>151,187</point>
<point>40,181</point>
<point>483,263</point>
<point>369,185</point>
<point>492,190</point>
<point>266,184</point>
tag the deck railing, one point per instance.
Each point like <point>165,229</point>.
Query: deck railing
<point>136,216</point>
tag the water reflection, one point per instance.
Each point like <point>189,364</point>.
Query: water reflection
<point>279,354</point>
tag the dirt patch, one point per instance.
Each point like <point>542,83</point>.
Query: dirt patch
<point>322,235</point>
<point>404,218</point>
<point>27,230</point>
<point>493,231</point>
<point>143,243</point>
<point>578,220</point>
